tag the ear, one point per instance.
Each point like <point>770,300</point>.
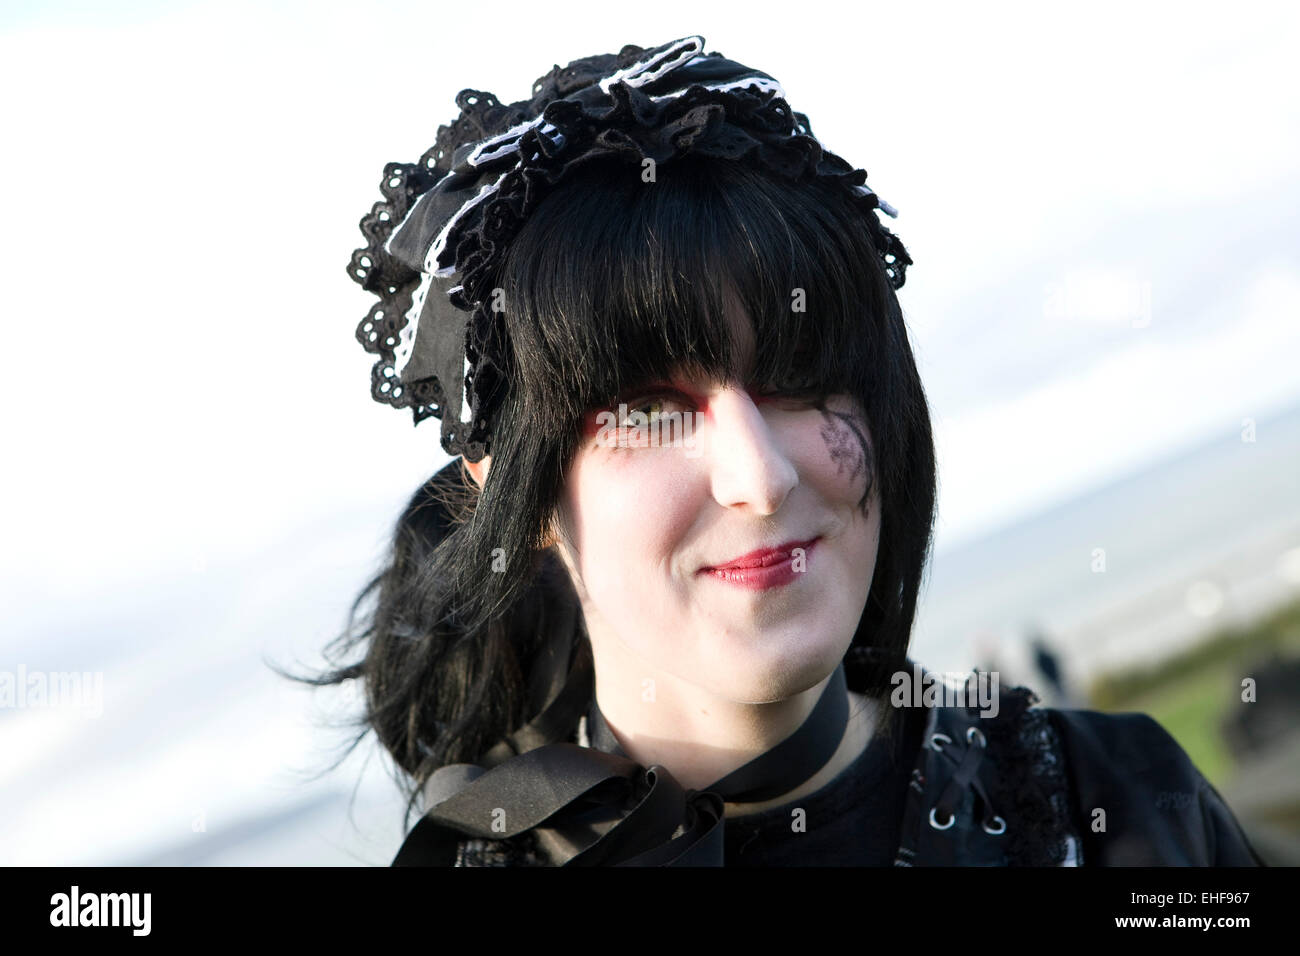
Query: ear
<point>552,538</point>
<point>478,469</point>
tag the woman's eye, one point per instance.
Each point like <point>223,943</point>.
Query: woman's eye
<point>654,419</point>
<point>651,406</point>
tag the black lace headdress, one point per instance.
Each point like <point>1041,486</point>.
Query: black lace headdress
<point>435,241</point>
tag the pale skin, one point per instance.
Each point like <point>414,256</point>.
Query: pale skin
<point>697,675</point>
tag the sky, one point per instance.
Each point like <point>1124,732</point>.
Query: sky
<point>1102,203</point>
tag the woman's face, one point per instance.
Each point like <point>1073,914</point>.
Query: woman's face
<point>641,525</point>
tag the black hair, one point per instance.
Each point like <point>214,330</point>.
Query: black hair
<point>614,281</point>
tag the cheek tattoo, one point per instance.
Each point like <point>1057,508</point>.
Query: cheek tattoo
<point>848,448</point>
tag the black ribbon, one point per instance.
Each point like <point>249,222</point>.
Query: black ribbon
<point>578,793</point>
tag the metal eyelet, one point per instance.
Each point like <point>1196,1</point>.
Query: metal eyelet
<point>1002,826</point>
<point>952,818</point>
<point>975,732</point>
<point>934,738</point>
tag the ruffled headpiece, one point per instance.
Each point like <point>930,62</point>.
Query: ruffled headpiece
<point>435,241</point>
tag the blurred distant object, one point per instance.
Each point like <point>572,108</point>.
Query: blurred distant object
<point>1047,665</point>
<point>1056,691</point>
<point>1265,794</point>
<point>1265,721</point>
<point>1264,736</point>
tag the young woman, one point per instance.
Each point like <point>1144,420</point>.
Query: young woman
<point>657,610</point>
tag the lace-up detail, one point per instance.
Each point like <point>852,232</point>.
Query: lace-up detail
<point>995,794</point>
<point>944,812</point>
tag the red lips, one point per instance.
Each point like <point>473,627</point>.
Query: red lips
<point>762,557</point>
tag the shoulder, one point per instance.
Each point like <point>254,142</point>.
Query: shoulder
<point>1139,799</point>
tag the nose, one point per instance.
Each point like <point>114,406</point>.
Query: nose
<point>748,466</point>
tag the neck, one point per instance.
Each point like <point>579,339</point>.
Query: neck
<point>701,737</point>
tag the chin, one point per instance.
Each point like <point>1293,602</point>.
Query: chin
<point>787,668</point>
